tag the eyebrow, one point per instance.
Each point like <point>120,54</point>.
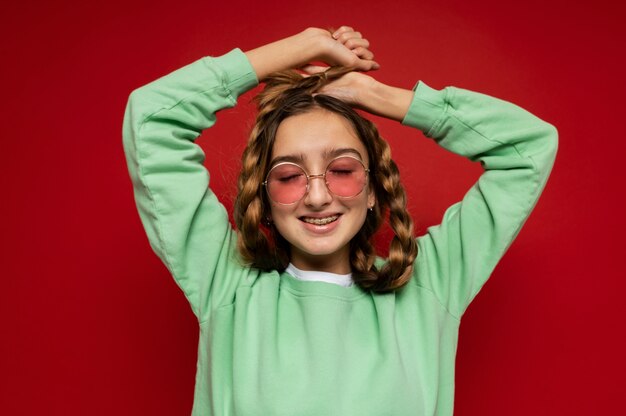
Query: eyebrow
<point>327,154</point>
<point>332,153</point>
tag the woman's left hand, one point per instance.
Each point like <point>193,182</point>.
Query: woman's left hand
<point>349,88</point>
<point>366,93</point>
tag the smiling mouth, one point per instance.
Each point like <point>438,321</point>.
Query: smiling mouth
<point>320,221</point>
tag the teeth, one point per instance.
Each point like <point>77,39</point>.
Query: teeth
<point>320,221</point>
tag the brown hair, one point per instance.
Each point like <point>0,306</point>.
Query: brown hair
<point>260,245</point>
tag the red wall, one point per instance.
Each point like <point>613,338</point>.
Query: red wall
<point>92,323</point>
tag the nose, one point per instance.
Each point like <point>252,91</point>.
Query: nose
<point>318,194</point>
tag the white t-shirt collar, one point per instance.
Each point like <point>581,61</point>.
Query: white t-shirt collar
<point>344,280</point>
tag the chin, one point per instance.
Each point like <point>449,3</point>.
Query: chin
<point>320,251</point>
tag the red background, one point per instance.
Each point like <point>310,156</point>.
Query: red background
<point>91,321</point>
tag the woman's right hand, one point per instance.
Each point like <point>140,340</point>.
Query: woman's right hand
<point>350,49</point>
<point>345,47</point>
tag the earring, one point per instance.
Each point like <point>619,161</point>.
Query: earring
<point>370,209</point>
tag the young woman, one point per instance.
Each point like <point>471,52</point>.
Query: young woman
<point>297,316</point>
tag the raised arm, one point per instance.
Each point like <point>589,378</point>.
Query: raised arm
<point>186,225</point>
<point>517,151</point>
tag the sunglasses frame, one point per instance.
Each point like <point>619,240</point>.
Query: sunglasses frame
<point>320,175</point>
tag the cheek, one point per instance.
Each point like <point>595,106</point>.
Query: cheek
<point>277,211</point>
<point>359,208</point>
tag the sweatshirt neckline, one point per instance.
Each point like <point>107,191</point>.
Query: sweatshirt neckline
<point>319,288</point>
<point>344,280</point>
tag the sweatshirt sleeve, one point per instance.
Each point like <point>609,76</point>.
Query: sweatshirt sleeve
<point>186,225</point>
<point>516,150</point>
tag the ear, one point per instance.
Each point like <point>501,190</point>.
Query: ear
<point>371,197</point>
<point>267,219</point>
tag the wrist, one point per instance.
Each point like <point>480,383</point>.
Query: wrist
<point>291,52</point>
<point>316,43</point>
<point>367,95</point>
<point>387,101</point>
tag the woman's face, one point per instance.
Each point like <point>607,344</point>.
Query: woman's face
<point>319,226</point>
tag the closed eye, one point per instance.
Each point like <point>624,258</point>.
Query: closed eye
<point>341,172</point>
<point>289,178</point>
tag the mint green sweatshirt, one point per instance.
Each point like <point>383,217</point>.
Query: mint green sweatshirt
<point>273,345</point>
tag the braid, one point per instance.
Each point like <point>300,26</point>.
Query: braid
<point>403,247</point>
<point>391,199</point>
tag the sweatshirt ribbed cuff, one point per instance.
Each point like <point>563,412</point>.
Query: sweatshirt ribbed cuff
<point>426,109</point>
<point>236,71</point>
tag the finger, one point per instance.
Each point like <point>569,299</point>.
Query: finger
<point>346,36</point>
<point>313,69</point>
<point>364,65</point>
<point>363,53</point>
<point>341,30</point>
<point>353,43</point>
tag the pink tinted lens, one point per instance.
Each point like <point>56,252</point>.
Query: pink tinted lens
<point>286,183</point>
<point>346,177</point>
